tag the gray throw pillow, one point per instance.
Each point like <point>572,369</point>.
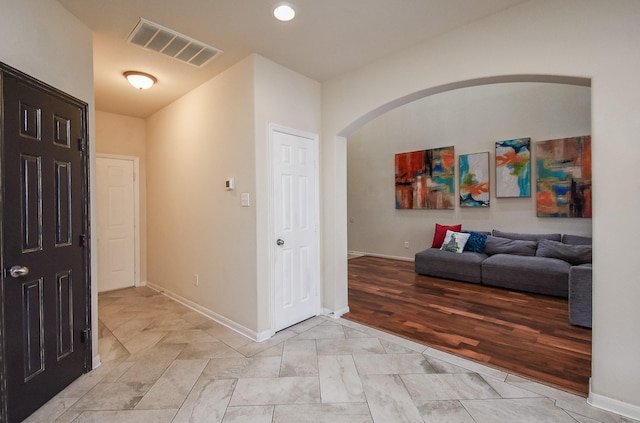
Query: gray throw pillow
<point>498,245</point>
<point>576,240</point>
<point>572,254</point>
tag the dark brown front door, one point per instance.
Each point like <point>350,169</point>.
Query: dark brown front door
<point>45,287</point>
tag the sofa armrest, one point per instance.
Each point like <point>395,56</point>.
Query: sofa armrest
<point>580,295</point>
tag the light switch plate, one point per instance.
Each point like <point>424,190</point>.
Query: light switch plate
<point>244,199</point>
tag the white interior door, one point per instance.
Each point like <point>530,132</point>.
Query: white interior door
<point>296,267</point>
<point>116,223</point>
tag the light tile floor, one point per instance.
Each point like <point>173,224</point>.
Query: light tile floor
<point>163,362</point>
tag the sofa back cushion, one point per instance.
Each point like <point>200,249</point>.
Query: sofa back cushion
<point>527,237</point>
<point>499,245</point>
<point>572,254</point>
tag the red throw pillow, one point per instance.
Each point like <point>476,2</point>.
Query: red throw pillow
<point>441,232</point>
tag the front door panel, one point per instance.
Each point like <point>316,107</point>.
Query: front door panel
<point>45,282</point>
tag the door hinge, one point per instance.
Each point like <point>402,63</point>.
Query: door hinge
<point>83,240</point>
<point>81,144</point>
<point>85,335</point>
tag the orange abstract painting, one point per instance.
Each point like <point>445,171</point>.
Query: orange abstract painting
<point>563,185</point>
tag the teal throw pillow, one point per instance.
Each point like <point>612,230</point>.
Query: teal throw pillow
<point>476,242</point>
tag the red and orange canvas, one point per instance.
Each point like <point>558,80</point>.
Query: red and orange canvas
<point>425,179</point>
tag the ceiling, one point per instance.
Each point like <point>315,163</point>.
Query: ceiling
<point>327,38</point>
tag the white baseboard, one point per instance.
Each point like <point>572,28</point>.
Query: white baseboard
<point>613,405</point>
<point>363,253</point>
<point>335,314</point>
<point>254,336</point>
<point>96,362</point>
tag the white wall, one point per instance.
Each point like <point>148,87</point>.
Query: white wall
<point>576,38</point>
<point>126,136</point>
<point>45,41</point>
<point>289,99</point>
<point>472,120</point>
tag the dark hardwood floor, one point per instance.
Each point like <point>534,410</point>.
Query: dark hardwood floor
<point>524,334</point>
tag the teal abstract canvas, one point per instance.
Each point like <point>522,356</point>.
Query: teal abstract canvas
<point>513,168</point>
<point>474,180</point>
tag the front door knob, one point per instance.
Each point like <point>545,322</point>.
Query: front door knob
<point>280,241</point>
<point>18,271</point>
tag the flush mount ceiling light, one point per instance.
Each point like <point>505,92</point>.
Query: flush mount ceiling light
<point>140,80</point>
<point>283,12</point>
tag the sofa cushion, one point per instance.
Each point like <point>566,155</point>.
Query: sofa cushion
<point>527,237</point>
<point>441,232</point>
<point>574,254</point>
<point>443,264</point>
<point>498,245</point>
<point>454,242</point>
<point>576,240</point>
<point>539,275</point>
<point>476,241</point>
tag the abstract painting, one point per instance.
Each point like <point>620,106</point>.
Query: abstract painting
<point>513,168</point>
<point>474,180</point>
<point>425,179</point>
<point>563,185</point>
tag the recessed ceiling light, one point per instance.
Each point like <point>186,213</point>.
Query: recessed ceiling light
<point>140,80</point>
<point>283,12</point>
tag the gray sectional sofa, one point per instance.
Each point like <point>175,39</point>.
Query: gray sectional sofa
<point>549,264</point>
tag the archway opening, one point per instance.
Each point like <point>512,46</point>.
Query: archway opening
<point>471,116</point>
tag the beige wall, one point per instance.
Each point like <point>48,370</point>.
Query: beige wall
<point>472,120</point>
<point>220,131</point>
<point>126,136</point>
<point>42,39</point>
<point>194,225</point>
<point>210,135</point>
<point>576,38</point>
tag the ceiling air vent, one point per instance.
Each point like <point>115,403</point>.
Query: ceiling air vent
<point>154,37</point>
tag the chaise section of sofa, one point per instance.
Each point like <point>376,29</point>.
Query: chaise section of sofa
<point>580,295</point>
<point>580,286</point>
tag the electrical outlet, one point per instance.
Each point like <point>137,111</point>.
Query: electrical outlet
<point>406,244</point>
<point>195,279</point>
